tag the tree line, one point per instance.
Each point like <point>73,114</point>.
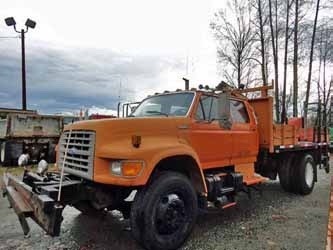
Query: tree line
<point>289,41</point>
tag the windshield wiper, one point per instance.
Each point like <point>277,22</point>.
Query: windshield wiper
<point>156,112</point>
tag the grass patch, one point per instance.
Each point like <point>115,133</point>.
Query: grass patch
<point>15,170</point>
<point>18,171</point>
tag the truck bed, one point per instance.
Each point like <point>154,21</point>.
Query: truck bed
<point>281,136</point>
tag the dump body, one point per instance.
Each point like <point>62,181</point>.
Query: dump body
<point>36,135</point>
<point>26,125</point>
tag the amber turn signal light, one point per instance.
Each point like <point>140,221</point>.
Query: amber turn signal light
<point>131,168</point>
<point>127,168</point>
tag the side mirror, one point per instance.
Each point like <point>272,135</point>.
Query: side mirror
<point>224,110</point>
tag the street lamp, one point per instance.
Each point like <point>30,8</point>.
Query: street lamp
<point>10,21</point>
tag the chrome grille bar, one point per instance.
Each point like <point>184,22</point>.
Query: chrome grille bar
<point>80,154</point>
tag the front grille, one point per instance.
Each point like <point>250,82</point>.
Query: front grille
<point>80,153</point>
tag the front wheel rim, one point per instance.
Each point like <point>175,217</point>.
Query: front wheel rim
<point>309,176</point>
<point>170,214</point>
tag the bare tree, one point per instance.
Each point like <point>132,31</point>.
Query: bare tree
<point>285,64</point>
<point>295,61</point>
<point>235,38</point>
<point>325,50</point>
<point>245,42</point>
<point>327,58</point>
<point>320,42</point>
<point>260,23</point>
<point>274,39</point>
<point>308,85</point>
<point>289,100</point>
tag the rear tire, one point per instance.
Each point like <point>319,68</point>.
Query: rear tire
<point>306,175</point>
<point>286,173</point>
<point>4,154</point>
<point>163,214</point>
<point>51,154</point>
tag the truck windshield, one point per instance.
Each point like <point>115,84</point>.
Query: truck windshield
<point>176,104</point>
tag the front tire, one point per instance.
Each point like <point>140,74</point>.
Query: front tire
<point>163,214</point>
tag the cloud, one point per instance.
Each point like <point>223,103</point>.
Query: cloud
<point>104,111</point>
<point>67,79</point>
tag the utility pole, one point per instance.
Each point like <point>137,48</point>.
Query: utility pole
<point>10,21</point>
<point>24,90</point>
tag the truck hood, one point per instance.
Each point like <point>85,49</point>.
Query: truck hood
<point>116,134</point>
<point>119,126</point>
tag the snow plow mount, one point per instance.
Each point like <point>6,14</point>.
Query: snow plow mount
<point>36,197</point>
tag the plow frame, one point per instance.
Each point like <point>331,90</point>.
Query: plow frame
<point>36,197</point>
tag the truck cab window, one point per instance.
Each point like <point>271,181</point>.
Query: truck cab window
<point>238,112</point>
<point>207,109</point>
<point>175,104</point>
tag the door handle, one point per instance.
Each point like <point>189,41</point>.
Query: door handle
<point>183,126</point>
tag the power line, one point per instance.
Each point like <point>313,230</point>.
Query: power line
<point>10,37</point>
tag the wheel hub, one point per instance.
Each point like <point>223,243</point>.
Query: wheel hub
<point>170,214</point>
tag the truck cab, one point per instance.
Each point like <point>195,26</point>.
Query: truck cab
<point>178,124</point>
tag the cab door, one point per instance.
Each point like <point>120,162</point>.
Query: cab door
<point>212,143</point>
<point>245,136</point>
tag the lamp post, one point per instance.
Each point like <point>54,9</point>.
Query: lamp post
<point>10,21</point>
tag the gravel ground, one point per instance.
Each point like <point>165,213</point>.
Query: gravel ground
<point>276,220</point>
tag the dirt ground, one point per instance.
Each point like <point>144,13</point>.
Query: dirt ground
<point>277,220</point>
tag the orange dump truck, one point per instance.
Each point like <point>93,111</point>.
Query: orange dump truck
<point>177,152</point>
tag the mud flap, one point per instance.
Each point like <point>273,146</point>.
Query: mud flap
<point>45,211</point>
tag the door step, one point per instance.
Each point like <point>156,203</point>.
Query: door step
<point>224,202</point>
<point>248,181</point>
<point>231,204</point>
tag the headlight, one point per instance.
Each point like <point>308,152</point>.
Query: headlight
<point>126,168</point>
<point>116,167</point>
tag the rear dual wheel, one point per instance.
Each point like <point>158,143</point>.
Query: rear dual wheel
<point>297,174</point>
<point>306,175</point>
<point>164,213</point>
<point>286,174</point>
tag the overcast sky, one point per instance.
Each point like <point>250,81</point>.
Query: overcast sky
<point>82,51</point>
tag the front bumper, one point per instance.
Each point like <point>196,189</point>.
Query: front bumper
<point>35,197</point>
